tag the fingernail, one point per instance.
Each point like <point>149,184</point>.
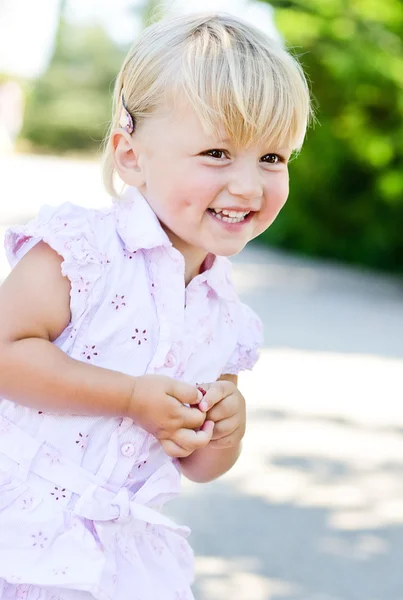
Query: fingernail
<point>203,405</point>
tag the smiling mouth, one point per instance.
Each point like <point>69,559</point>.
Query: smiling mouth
<point>229,216</point>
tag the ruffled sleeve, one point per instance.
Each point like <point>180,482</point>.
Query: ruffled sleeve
<point>71,231</point>
<point>250,339</point>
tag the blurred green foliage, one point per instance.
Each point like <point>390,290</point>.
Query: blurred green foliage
<point>69,107</point>
<point>346,199</point>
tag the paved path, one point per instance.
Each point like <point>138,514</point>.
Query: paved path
<point>314,508</point>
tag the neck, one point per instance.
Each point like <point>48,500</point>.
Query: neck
<point>194,257</point>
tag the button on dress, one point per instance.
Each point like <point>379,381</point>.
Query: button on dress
<point>81,496</point>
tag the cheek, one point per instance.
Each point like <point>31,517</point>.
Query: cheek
<point>281,193</point>
<point>277,193</point>
<point>276,196</point>
<point>198,192</point>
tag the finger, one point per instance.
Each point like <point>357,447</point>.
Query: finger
<point>185,393</point>
<point>203,388</point>
<point>190,418</point>
<point>223,410</point>
<point>214,394</point>
<point>174,450</point>
<point>225,427</point>
<point>194,440</point>
<point>227,441</point>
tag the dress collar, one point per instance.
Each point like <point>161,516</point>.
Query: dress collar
<point>137,224</point>
<point>140,229</point>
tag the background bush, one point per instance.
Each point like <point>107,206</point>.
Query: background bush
<point>346,198</point>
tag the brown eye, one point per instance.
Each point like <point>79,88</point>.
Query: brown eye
<point>272,158</point>
<point>215,153</point>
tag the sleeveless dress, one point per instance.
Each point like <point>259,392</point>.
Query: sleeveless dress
<point>81,496</point>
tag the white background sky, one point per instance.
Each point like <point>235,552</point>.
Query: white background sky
<point>27,26</point>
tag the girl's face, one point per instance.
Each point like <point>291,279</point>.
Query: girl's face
<point>209,195</point>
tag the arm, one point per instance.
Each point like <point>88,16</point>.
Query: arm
<point>220,455</point>
<point>34,310</point>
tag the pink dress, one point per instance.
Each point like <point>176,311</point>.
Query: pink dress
<point>81,496</point>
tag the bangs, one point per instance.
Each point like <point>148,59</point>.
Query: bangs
<point>257,94</point>
<point>238,80</point>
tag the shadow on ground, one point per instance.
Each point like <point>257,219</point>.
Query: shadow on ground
<point>309,542</point>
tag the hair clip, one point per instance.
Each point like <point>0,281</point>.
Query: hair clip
<point>125,119</point>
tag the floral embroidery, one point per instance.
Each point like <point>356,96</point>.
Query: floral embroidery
<point>118,302</point>
<point>39,539</point>
<point>89,352</point>
<point>61,571</point>
<point>22,591</point>
<point>5,425</point>
<point>130,552</point>
<point>128,254</point>
<point>26,502</point>
<point>82,285</point>
<point>170,360</point>
<point>139,336</point>
<point>228,319</point>
<point>210,337</point>
<point>60,223</point>
<point>54,457</point>
<point>103,259</point>
<point>138,537</point>
<point>157,546</point>
<point>82,441</point>
<point>58,493</point>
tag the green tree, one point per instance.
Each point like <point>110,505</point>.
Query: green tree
<point>346,198</point>
<point>69,106</point>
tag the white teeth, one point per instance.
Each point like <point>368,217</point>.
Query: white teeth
<point>229,216</point>
<point>233,213</point>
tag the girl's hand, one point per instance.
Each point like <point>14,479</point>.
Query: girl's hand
<point>158,404</point>
<point>225,406</point>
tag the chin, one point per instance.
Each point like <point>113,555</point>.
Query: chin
<point>228,250</point>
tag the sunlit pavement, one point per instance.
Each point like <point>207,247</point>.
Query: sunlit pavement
<point>314,508</point>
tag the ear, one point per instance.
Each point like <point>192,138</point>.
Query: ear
<point>126,158</point>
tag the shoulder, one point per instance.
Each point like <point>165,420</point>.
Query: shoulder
<point>80,240</point>
<point>68,228</point>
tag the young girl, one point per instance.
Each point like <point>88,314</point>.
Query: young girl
<point>121,334</point>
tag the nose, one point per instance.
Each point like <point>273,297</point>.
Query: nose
<point>246,182</point>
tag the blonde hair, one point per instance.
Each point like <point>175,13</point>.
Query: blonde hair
<point>233,75</point>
